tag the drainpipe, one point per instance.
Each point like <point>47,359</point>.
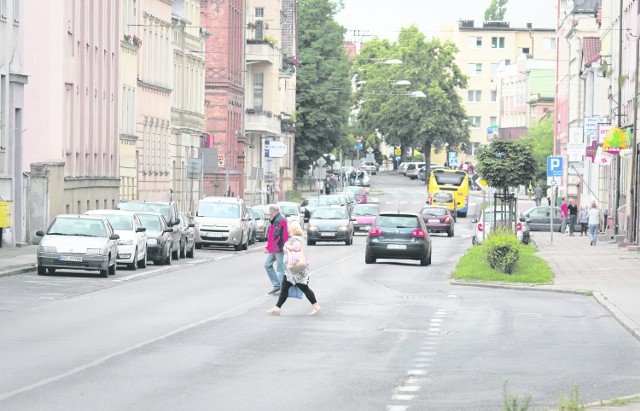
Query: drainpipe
<point>634,159</point>
<point>617,193</point>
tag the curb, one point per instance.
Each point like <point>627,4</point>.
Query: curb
<point>547,287</point>
<point>18,270</point>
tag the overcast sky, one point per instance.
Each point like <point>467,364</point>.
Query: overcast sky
<point>385,18</point>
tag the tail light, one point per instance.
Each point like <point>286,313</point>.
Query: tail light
<point>375,232</point>
<point>519,227</point>
<point>447,219</point>
<point>429,199</point>
<point>418,233</point>
<point>479,226</point>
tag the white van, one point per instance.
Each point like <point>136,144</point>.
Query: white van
<point>223,221</point>
<point>413,169</point>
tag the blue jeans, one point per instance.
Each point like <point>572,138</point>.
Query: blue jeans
<point>278,258</point>
<point>593,232</point>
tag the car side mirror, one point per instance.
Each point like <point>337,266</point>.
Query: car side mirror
<point>40,233</point>
<point>192,225</point>
<point>168,230</point>
<point>527,220</point>
<point>114,237</point>
<point>474,220</point>
<point>177,221</point>
<point>141,229</point>
<point>523,220</point>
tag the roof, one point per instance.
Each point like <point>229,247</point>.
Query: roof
<point>590,50</point>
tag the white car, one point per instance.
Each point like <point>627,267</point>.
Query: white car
<point>369,166</point>
<point>132,245</point>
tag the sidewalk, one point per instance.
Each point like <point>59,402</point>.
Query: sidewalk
<point>17,260</point>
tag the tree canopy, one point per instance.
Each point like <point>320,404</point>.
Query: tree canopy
<point>496,10</point>
<point>505,163</point>
<point>385,105</point>
<point>323,91</point>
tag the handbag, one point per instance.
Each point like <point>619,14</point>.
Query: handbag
<point>300,265</point>
<point>295,292</point>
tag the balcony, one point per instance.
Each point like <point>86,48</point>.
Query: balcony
<point>260,51</point>
<point>261,122</point>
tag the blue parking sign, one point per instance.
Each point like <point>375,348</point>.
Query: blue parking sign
<point>554,166</point>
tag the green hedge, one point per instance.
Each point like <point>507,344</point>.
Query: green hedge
<point>502,250</point>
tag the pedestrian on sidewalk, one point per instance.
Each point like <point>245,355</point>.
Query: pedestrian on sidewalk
<point>593,217</point>
<point>275,248</point>
<point>584,220</point>
<point>295,244</point>
<point>573,216</point>
<point>537,194</point>
<point>564,215</point>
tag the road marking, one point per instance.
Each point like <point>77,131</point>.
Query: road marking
<point>397,408</point>
<point>410,372</point>
<point>409,388</point>
<point>403,397</point>
<point>124,351</point>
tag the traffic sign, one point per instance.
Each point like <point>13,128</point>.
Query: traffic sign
<point>554,166</point>
<point>275,149</point>
<point>369,150</point>
<point>321,161</point>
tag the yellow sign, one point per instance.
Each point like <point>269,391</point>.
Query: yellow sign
<point>482,182</point>
<point>397,152</point>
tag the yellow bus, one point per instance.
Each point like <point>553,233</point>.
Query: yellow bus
<point>455,181</point>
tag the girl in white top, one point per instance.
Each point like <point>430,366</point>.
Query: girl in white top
<point>593,217</point>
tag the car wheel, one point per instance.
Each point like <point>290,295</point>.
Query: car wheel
<point>245,245</point>
<point>450,232</point>
<point>143,263</point>
<point>473,240</point>
<point>134,265</point>
<point>368,259</point>
<point>51,270</point>
<point>113,268</point>
<point>461,214</point>
<point>42,270</point>
<point>253,239</point>
<point>104,273</point>
<point>167,260</point>
<point>190,252</point>
<point>311,242</point>
<point>238,247</point>
<point>183,251</point>
<point>176,254</point>
<point>198,246</point>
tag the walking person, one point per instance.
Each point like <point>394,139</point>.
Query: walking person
<point>584,220</point>
<point>537,194</point>
<point>573,216</point>
<point>593,217</point>
<point>274,249</point>
<point>564,215</point>
<point>295,244</point>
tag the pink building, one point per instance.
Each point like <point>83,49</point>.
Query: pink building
<point>71,137</point>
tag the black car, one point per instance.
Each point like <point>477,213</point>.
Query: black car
<point>398,236</point>
<point>159,238</point>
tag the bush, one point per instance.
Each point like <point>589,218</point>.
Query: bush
<point>502,249</point>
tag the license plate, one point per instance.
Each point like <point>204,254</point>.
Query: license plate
<point>365,228</point>
<point>70,258</point>
<point>214,235</point>
<point>328,234</point>
<point>396,247</point>
<point>433,220</point>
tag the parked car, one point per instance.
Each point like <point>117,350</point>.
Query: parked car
<point>310,204</point>
<point>398,236</point>
<point>438,219</point>
<point>363,216</point>
<point>359,193</point>
<point>413,170</point>
<point>445,199</point>
<point>369,166</point>
<point>159,238</point>
<point>132,245</point>
<point>223,221</point>
<point>169,211</point>
<point>78,242</point>
<point>262,222</point>
<point>187,236</point>
<point>330,224</point>
<point>488,220</point>
<point>538,219</point>
<point>366,181</point>
<point>342,200</point>
<point>291,211</point>
<point>253,228</point>
<point>422,172</point>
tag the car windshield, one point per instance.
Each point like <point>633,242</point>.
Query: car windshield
<point>333,201</point>
<point>433,211</point>
<point>491,217</point>
<point>288,210</point>
<point>317,201</point>
<point>218,210</point>
<point>120,222</point>
<point>330,214</point>
<point>366,210</point>
<point>163,209</point>
<point>151,222</point>
<point>397,222</point>
<point>78,227</point>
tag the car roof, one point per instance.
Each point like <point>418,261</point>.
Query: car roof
<point>112,212</point>
<point>217,199</point>
<point>400,214</point>
<point>145,202</point>
<point>435,206</point>
<point>82,216</point>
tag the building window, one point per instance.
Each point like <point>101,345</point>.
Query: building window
<point>493,121</point>
<point>259,12</point>
<point>258,91</point>
<point>474,69</point>
<point>497,42</point>
<point>474,95</point>
<point>475,121</point>
<point>550,43</point>
<point>259,33</point>
<point>494,96</point>
<point>475,42</point>
<point>523,50</point>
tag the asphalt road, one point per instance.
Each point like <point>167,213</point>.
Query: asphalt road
<point>392,335</point>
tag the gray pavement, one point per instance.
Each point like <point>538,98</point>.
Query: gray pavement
<point>608,272</point>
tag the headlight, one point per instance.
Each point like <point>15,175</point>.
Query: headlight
<point>312,228</point>
<point>93,251</point>
<point>48,249</point>
<point>152,241</point>
<point>125,242</point>
<point>343,228</point>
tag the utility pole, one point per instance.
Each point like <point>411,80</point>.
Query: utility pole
<point>619,123</point>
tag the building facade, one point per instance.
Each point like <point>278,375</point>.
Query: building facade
<point>13,79</point>
<point>187,102</point>
<point>224,94</point>
<point>482,50</point>
<point>71,137</point>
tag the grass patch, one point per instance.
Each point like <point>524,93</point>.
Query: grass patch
<point>473,266</point>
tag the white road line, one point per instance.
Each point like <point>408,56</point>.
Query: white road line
<point>397,408</point>
<point>420,365</point>
<point>409,388</point>
<point>410,372</point>
<point>425,353</point>
<point>403,397</point>
<point>425,359</point>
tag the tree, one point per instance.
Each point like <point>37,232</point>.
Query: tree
<point>540,137</point>
<point>323,91</point>
<point>496,10</point>
<point>387,108</point>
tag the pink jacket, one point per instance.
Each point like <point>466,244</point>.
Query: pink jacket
<point>278,234</point>
<point>564,210</point>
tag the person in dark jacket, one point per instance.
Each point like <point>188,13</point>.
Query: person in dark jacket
<point>278,235</point>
